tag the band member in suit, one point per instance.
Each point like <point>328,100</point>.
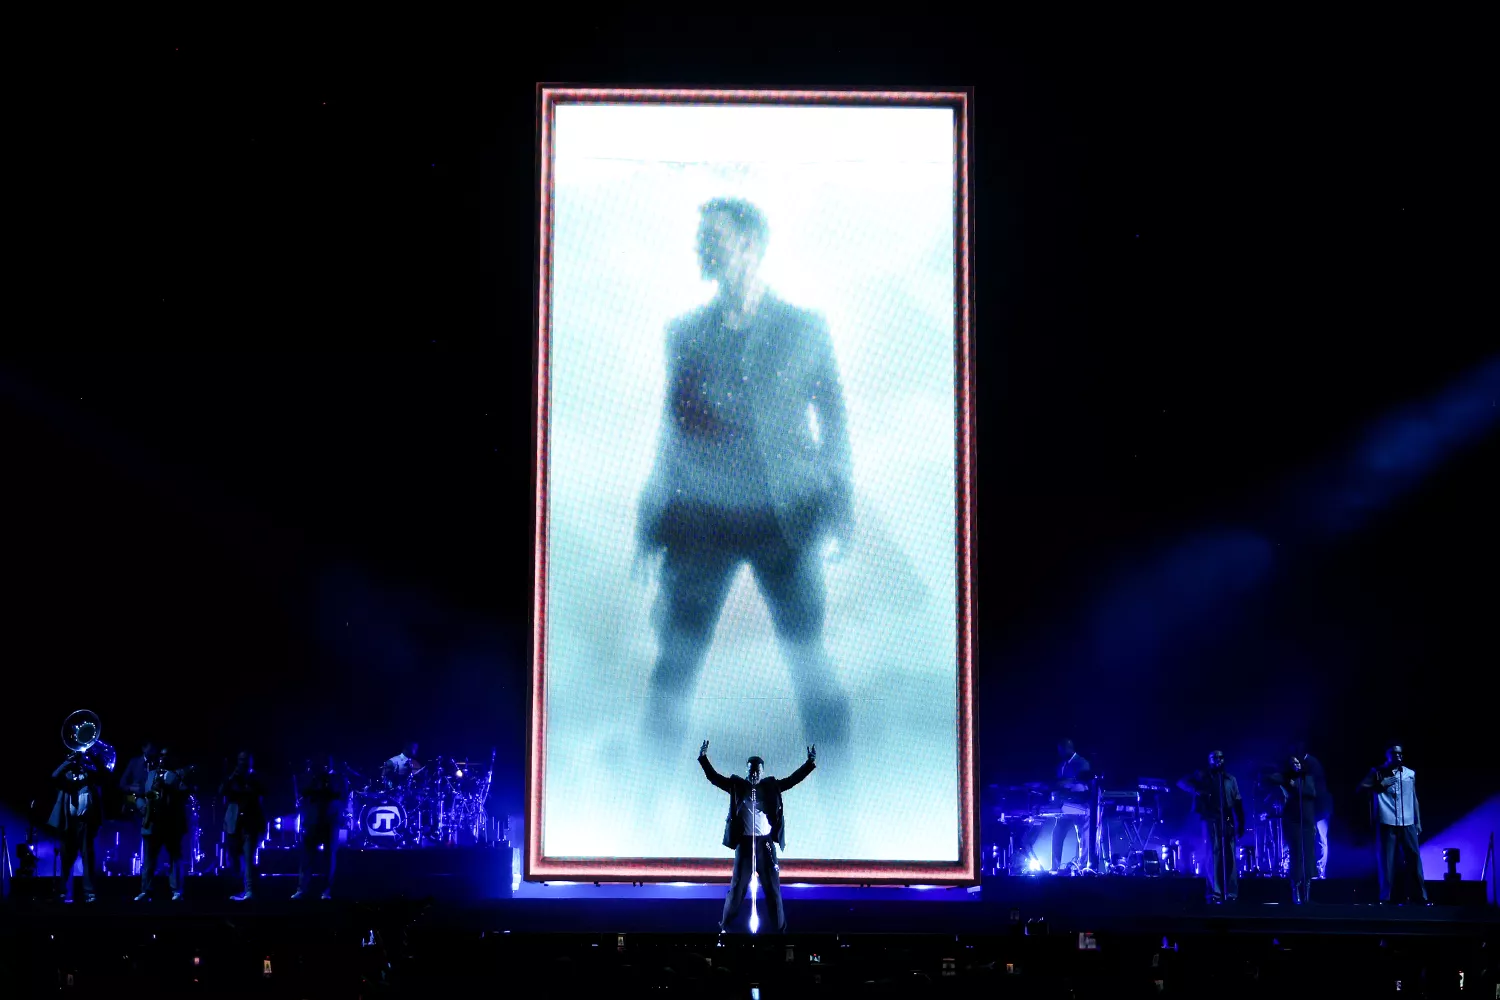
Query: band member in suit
<point>324,796</point>
<point>1217,802</point>
<point>754,828</point>
<point>163,805</point>
<point>244,820</point>
<point>133,778</point>
<point>76,815</point>
<point>753,466</point>
<point>1397,818</point>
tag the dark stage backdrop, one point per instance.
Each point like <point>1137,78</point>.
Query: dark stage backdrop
<point>265,395</point>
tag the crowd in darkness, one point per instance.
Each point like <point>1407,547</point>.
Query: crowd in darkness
<point>416,955</point>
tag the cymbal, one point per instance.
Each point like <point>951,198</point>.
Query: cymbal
<point>1029,786</point>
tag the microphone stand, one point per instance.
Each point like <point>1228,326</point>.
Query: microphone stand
<point>1302,885</point>
<point>1226,844</point>
<point>1489,865</point>
<point>754,857</point>
<point>1401,812</point>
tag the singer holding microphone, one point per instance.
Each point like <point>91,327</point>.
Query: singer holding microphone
<point>1299,789</point>
<point>754,828</point>
<point>1398,822</point>
<point>322,797</point>
<point>1217,801</point>
<point>244,821</point>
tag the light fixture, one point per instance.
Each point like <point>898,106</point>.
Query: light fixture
<point>1450,858</point>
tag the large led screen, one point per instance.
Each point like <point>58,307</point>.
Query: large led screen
<point>753,481</point>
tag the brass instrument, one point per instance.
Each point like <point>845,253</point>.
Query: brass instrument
<point>80,734</point>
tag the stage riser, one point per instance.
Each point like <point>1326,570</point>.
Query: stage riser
<point>1358,891</point>
<point>1170,894</point>
<point>473,874</point>
<point>482,874</point>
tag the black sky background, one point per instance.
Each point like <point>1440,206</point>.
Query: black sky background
<point>265,399</point>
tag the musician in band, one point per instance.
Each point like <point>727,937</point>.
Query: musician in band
<point>1299,797</point>
<point>76,816</point>
<point>133,778</point>
<point>324,795</point>
<point>1217,802</point>
<point>1397,818</point>
<point>753,829</point>
<point>1322,809</point>
<point>1075,790</point>
<point>244,820</point>
<point>397,772</point>
<point>163,804</point>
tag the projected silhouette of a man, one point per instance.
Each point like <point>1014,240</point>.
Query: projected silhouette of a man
<point>753,465</point>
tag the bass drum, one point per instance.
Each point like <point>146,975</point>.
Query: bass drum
<point>382,823</point>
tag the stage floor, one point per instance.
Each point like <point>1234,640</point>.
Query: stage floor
<point>999,906</point>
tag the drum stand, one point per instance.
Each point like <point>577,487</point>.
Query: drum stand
<point>1269,844</point>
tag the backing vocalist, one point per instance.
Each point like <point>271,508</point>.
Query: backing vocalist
<point>1398,822</point>
<point>1216,800</point>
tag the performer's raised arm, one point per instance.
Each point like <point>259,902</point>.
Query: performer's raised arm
<point>708,770</point>
<point>802,772</point>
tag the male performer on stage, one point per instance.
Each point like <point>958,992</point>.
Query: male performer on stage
<point>163,805</point>
<point>754,828</point>
<point>1074,785</point>
<point>1299,789</point>
<point>397,771</point>
<point>133,777</point>
<point>1217,802</point>
<point>244,820</point>
<point>1398,822</point>
<point>75,816</point>
<point>753,465</point>
<point>325,794</point>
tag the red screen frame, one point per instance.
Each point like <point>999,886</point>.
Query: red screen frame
<point>537,866</point>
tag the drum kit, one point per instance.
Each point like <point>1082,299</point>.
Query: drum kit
<point>439,804</point>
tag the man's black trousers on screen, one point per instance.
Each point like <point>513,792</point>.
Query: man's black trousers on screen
<point>704,550</point>
<point>761,857</point>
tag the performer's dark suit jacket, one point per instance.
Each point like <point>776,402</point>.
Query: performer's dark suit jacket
<point>768,794</point>
<point>737,432</point>
<point>324,798</point>
<point>1216,796</point>
<point>244,809</point>
<point>168,816</point>
<point>70,783</point>
<point>134,774</point>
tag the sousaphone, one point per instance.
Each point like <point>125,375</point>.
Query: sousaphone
<point>80,734</point>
